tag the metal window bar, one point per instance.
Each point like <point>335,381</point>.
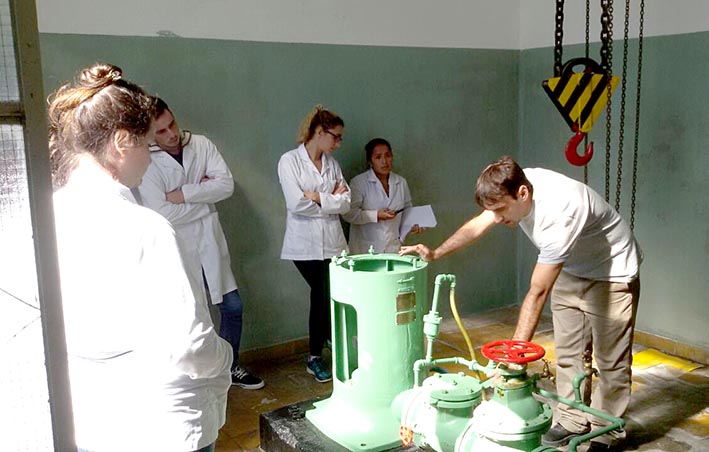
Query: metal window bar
<point>35,392</point>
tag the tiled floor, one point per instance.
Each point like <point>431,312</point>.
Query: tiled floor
<point>669,411</point>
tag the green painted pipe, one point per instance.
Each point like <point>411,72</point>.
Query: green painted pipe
<point>616,423</point>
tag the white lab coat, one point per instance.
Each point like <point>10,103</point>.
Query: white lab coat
<point>368,196</point>
<point>196,221</point>
<point>147,370</point>
<point>313,232</point>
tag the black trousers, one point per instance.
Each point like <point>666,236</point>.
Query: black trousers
<point>317,275</point>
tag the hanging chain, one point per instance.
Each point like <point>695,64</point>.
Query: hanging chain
<point>621,126</point>
<point>558,37</point>
<point>607,66</point>
<point>637,115</point>
<point>588,40</point>
<point>588,27</point>
<point>606,34</point>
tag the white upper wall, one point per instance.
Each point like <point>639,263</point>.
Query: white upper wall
<point>416,23</point>
<point>479,24</point>
<point>662,17</point>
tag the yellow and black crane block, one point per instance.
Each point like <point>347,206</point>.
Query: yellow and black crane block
<point>580,97</point>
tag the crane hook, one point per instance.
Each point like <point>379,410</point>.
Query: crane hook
<point>571,149</point>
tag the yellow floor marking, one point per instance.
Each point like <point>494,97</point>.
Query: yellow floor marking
<point>648,358</point>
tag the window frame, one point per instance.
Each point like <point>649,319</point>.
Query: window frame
<point>30,112</point>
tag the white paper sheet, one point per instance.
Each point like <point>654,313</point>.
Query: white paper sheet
<point>420,215</point>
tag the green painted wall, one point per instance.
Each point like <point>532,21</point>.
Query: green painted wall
<point>447,112</point>
<point>672,211</point>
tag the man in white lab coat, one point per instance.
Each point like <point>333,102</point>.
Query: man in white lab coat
<point>186,177</point>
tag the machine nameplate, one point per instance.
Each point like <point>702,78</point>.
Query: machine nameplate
<point>405,308</point>
<point>405,301</point>
<point>403,318</point>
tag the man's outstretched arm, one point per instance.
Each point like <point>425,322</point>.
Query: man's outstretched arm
<point>543,279</point>
<point>465,236</point>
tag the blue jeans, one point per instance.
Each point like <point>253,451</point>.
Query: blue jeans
<point>232,309</point>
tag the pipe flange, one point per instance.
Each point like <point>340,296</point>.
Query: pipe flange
<point>453,390</point>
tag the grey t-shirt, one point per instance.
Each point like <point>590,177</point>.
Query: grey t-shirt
<point>571,223</point>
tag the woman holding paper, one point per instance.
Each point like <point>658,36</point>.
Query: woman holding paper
<point>379,196</point>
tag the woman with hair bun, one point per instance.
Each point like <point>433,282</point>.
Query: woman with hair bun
<point>147,370</point>
<point>316,194</point>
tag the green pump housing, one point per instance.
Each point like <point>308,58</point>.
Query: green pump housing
<point>382,394</point>
<point>377,306</point>
<point>460,413</point>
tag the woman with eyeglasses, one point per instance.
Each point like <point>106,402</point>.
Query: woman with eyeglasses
<point>147,370</point>
<point>316,194</point>
<point>379,196</point>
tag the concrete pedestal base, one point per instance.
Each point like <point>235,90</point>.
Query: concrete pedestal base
<point>287,430</point>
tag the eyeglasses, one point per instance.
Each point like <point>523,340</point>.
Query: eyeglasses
<point>338,138</point>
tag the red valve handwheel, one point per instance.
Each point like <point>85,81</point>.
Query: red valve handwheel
<point>517,352</point>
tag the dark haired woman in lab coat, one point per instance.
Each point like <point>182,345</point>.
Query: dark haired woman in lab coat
<point>379,197</point>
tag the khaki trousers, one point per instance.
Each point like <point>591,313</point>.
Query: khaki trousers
<point>598,316</point>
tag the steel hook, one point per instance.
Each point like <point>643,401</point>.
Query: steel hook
<point>571,150</point>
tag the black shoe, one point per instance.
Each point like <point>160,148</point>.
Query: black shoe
<point>242,378</point>
<point>559,436</point>
<point>598,447</point>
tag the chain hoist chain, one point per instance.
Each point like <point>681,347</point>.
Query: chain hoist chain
<point>558,37</point>
<point>607,66</point>
<point>637,115</point>
<point>588,40</point>
<point>588,27</point>
<point>606,32</point>
<point>585,167</point>
<point>621,126</point>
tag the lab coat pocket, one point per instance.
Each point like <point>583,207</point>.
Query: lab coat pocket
<point>300,236</point>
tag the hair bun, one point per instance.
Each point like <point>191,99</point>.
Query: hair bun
<point>100,75</point>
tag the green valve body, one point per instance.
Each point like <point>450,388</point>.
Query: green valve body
<point>447,413</point>
<point>439,410</point>
<point>377,303</point>
<point>512,420</point>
